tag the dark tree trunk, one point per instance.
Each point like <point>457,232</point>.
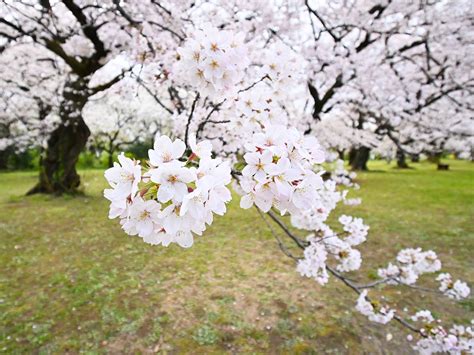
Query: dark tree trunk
<point>58,168</point>
<point>4,155</point>
<point>111,159</point>
<point>415,158</point>
<point>401,160</point>
<point>341,154</point>
<point>58,165</point>
<point>434,157</point>
<point>360,157</point>
<point>352,155</point>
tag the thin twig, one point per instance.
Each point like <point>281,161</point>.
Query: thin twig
<point>357,290</point>
<point>193,106</point>
<point>155,97</point>
<point>255,83</point>
<point>301,243</point>
<point>282,246</point>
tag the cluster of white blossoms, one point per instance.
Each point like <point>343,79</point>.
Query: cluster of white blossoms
<point>373,311</point>
<point>212,61</point>
<point>411,263</point>
<point>341,176</point>
<point>355,228</point>
<point>175,198</point>
<point>279,172</point>
<point>457,290</point>
<point>424,316</point>
<point>314,263</point>
<point>349,258</point>
<point>283,67</point>
<point>436,339</point>
<point>313,219</point>
<point>339,247</point>
<point>329,196</point>
<point>254,108</point>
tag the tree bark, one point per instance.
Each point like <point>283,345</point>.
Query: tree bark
<point>111,159</point>
<point>58,165</point>
<point>340,153</point>
<point>359,158</point>
<point>401,160</point>
<point>434,157</point>
<point>4,155</point>
<point>415,158</point>
<point>352,155</point>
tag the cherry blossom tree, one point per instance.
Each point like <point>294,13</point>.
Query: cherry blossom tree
<point>394,64</point>
<point>28,100</point>
<point>255,93</point>
<point>82,37</point>
<point>122,116</point>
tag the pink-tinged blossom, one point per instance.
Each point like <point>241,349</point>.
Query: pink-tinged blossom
<point>453,289</point>
<point>457,340</point>
<point>216,61</point>
<point>144,216</point>
<point>379,314</point>
<point>173,179</point>
<point>314,263</point>
<point>124,177</point>
<point>281,165</point>
<point>165,151</point>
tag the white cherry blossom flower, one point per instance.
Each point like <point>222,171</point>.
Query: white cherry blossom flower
<point>172,179</point>
<point>381,315</point>
<point>165,151</point>
<point>144,215</point>
<point>124,177</point>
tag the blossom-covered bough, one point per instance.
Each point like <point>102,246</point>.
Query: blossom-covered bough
<point>276,168</point>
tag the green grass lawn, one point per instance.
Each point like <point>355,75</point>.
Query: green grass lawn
<point>72,281</point>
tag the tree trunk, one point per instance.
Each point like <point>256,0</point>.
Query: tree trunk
<point>434,157</point>
<point>360,157</point>
<point>415,158</point>
<point>58,168</point>
<point>352,155</point>
<point>401,160</point>
<point>111,159</point>
<point>58,165</point>
<point>340,153</point>
<point>4,155</point>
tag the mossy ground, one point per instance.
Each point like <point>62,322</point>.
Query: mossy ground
<point>72,282</point>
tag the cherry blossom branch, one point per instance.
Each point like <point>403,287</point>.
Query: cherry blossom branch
<point>207,120</point>
<point>321,20</point>
<point>357,290</point>
<point>282,246</point>
<point>301,243</point>
<point>255,83</point>
<point>96,89</point>
<point>190,117</point>
<point>155,97</point>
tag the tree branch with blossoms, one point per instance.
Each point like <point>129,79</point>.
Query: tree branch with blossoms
<point>275,167</point>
